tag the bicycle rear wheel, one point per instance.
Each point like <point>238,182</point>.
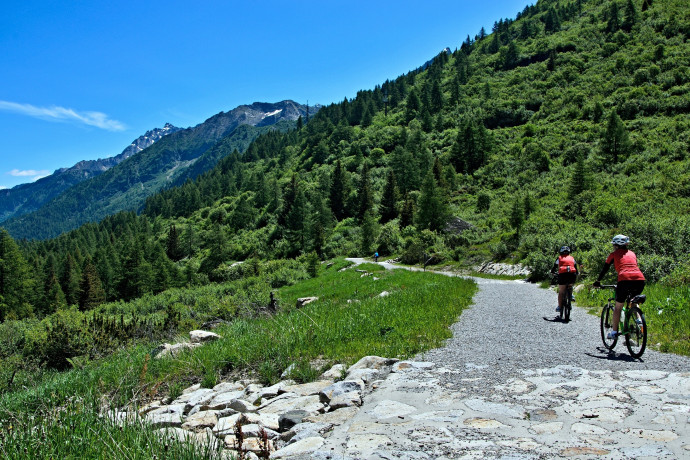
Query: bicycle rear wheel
<point>568,304</point>
<point>606,326</point>
<point>636,335</point>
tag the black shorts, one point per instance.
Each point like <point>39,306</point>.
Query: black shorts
<point>567,278</point>
<point>628,288</point>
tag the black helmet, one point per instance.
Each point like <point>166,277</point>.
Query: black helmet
<point>564,250</point>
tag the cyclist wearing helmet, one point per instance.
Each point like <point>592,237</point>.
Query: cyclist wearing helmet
<point>566,267</point>
<point>630,278</point>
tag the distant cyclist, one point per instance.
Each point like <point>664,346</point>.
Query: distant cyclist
<point>630,278</point>
<point>566,267</point>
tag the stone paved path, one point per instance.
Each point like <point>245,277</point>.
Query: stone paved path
<point>501,389</point>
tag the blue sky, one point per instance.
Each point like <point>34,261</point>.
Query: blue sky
<point>81,80</point>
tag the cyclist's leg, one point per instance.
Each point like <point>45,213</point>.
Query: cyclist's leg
<point>561,294</point>
<point>617,315</point>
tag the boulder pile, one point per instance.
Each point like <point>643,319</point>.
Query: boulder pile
<point>282,420</point>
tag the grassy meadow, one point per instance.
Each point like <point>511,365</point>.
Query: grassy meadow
<point>59,416</point>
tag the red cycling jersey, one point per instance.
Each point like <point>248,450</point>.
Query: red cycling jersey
<point>625,263</point>
<point>566,264</point>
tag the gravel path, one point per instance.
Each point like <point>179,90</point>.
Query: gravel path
<point>512,325</point>
<point>515,382</point>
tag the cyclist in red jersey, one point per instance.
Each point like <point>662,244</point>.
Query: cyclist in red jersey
<point>630,278</point>
<point>566,267</point>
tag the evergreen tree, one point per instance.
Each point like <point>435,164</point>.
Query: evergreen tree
<point>389,199</point>
<point>580,180</point>
<point>407,212</point>
<point>406,171</point>
<point>365,194</point>
<point>630,16</point>
<point>368,232</point>
<point>613,23</point>
<point>69,281</point>
<point>510,56</point>
<point>337,193</point>
<point>432,212</point>
<point>471,147</point>
<point>16,281</point>
<point>517,214</point>
<point>54,297</point>
<point>173,247</point>
<point>413,105</point>
<point>615,142</point>
<point>91,293</point>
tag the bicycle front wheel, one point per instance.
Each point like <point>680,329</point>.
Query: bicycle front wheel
<point>606,326</point>
<point>636,335</point>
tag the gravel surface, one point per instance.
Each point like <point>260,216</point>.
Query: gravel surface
<point>512,325</point>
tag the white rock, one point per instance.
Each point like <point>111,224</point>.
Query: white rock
<point>203,336</point>
<point>302,447</point>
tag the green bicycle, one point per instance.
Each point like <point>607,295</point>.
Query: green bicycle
<point>632,324</point>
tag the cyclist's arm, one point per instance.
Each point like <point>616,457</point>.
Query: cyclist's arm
<point>603,272</point>
<point>554,268</point>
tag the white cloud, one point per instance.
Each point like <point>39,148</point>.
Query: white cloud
<point>54,113</point>
<point>29,173</point>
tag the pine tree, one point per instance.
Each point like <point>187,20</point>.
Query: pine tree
<point>615,142</point>
<point>432,213</point>
<point>337,192</point>
<point>407,213</point>
<point>69,281</point>
<point>630,16</point>
<point>580,180</point>
<point>613,23</point>
<point>389,199</point>
<point>91,293</point>
<point>517,214</point>
<point>365,194</point>
<point>173,248</point>
<point>16,281</point>
<point>413,105</point>
<point>368,236</point>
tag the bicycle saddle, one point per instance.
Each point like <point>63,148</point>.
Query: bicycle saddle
<point>639,299</point>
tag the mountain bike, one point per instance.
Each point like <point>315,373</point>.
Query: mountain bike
<point>564,314</point>
<point>632,324</point>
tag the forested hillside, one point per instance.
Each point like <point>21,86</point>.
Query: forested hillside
<point>565,125</point>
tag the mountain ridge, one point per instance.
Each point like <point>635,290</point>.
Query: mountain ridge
<point>29,197</point>
<point>126,185</point>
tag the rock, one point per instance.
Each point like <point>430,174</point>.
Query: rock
<point>226,425</point>
<point>165,419</point>
<point>290,401</point>
<point>222,400</point>
<point>339,388</point>
<point>195,398</point>
<point>170,351</point>
<point>203,336</point>
<point>372,362</point>
<point>290,419</point>
<point>307,389</point>
<point>384,294</point>
<point>365,375</point>
<point>334,373</point>
<point>303,447</point>
<point>201,420</point>
<point>352,398</point>
<point>304,301</point>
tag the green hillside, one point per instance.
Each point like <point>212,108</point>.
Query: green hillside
<point>566,125</point>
